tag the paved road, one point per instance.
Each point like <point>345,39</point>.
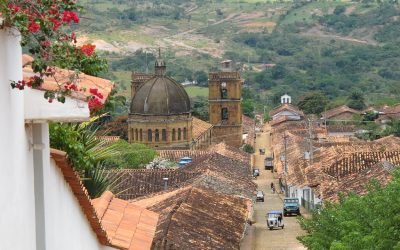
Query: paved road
<point>259,237</point>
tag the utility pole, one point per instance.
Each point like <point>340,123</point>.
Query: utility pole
<point>285,165</point>
<point>310,139</point>
<point>285,159</point>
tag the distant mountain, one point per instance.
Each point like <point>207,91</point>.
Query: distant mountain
<point>336,48</point>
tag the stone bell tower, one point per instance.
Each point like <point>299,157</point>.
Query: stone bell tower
<point>225,91</point>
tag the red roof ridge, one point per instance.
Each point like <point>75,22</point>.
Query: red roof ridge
<point>81,194</point>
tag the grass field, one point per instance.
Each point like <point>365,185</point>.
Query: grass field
<point>194,91</point>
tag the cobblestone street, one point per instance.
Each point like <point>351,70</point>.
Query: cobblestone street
<point>259,237</point>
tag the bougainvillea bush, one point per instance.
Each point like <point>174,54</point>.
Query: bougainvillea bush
<point>44,26</point>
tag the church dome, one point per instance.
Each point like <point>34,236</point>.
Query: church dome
<point>160,95</point>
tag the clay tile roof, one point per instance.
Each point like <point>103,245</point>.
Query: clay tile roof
<point>212,170</point>
<point>72,178</point>
<point>198,218</point>
<point>128,226</point>
<point>286,106</point>
<point>230,152</point>
<point>85,81</point>
<point>391,110</point>
<point>199,127</point>
<point>280,120</point>
<point>358,182</point>
<point>175,155</point>
<point>338,110</point>
<point>249,128</point>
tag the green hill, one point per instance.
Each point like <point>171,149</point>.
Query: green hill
<point>336,48</point>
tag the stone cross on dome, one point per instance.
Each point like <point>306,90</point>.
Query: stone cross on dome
<point>159,67</point>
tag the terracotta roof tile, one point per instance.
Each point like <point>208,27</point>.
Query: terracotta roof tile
<point>85,81</point>
<point>286,106</point>
<point>337,111</point>
<point>125,222</point>
<point>199,127</point>
<point>197,218</point>
<point>175,155</point>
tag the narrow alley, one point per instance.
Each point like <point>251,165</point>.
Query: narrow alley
<point>259,237</point>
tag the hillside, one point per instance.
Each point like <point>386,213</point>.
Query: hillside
<point>333,47</point>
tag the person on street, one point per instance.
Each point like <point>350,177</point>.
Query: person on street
<point>273,187</point>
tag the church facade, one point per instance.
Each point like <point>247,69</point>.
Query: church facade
<point>160,113</point>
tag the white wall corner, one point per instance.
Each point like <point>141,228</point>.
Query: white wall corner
<point>38,109</point>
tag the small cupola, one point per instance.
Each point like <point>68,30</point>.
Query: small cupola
<point>286,99</point>
<point>159,66</point>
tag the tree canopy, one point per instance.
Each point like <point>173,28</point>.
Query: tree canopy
<point>313,103</point>
<point>358,222</point>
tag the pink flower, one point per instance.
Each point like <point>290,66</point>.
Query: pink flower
<point>56,23</point>
<point>33,27</point>
<point>70,16</point>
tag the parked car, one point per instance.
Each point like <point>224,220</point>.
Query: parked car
<point>256,172</point>
<point>291,206</point>
<point>260,196</point>
<point>275,220</point>
<point>269,163</point>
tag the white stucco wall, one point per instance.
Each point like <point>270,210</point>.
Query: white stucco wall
<point>17,216</point>
<point>66,225</point>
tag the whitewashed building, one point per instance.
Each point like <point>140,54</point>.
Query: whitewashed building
<point>42,206</point>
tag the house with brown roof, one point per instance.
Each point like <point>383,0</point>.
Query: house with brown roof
<point>339,114</point>
<point>201,134</point>
<point>198,218</point>
<point>311,177</point>
<point>285,113</point>
<point>192,201</point>
<point>387,114</point>
<point>249,127</point>
<point>220,170</point>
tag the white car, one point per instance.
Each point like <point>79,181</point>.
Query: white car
<point>275,220</point>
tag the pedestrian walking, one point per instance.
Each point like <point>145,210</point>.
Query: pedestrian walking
<point>273,187</point>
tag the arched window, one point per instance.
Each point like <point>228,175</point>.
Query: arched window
<point>136,135</point>
<point>164,135</point>
<point>224,93</point>
<point>173,135</point>
<point>157,135</point>
<point>224,114</point>
<point>149,135</point>
<point>184,134</point>
<point>141,135</point>
<point>179,134</point>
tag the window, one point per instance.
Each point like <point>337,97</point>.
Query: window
<point>173,135</point>
<point>141,135</point>
<point>164,135</point>
<point>136,135</point>
<point>224,93</point>
<point>184,134</point>
<point>179,134</point>
<point>149,135</point>
<point>157,135</point>
<point>224,114</point>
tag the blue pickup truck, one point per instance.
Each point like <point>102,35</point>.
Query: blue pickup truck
<point>291,206</point>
